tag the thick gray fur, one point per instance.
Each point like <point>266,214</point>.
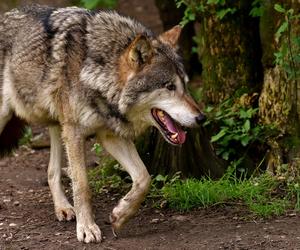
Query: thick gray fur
<point>46,47</point>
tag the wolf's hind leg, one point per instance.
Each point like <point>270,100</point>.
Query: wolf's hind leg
<point>125,153</point>
<point>63,209</point>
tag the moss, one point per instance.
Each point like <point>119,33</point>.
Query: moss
<point>227,56</point>
<point>275,100</point>
<point>292,141</point>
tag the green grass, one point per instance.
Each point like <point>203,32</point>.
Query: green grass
<point>108,176</point>
<point>264,196</point>
<point>27,136</point>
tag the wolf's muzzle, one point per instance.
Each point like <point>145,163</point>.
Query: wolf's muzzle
<point>200,119</point>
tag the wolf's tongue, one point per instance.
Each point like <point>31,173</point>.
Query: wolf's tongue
<point>181,136</point>
<point>171,126</point>
<point>174,128</point>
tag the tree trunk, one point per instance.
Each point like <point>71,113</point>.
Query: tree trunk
<point>279,101</point>
<point>229,50</point>
<point>195,158</point>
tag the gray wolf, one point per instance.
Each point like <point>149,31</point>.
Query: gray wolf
<point>82,73</point>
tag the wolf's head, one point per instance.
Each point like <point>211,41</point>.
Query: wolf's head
<point>154,91</point>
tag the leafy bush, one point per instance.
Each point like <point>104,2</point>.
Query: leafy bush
<point>235,127</point>
<point>194,8</point>
<point>288,55</point>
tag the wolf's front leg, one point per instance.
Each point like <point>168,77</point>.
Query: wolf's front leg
<point>87,230</point>
<point>125,153</point>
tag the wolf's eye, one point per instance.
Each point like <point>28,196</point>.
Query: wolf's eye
<point>171,86</point>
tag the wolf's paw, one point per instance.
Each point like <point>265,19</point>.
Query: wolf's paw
<point>88,233</point>
<point>116,221</point>
<point>65,213</point>
<point>121,214</point>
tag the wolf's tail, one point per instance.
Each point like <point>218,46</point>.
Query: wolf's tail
<point>11,134</point>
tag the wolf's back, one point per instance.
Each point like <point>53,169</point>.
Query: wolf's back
<point>45,45</point>
<point>13,130</point>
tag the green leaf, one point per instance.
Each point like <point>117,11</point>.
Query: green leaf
<point>219,151</point>
<point>219,135</point>
<point>200,8</point>
<point>97,148</point>
<point>192,17</point>
<point>90,4</point>
<point>161,178</point>
<point>297,58</point>
<point>179,3</point>
<point>219,114</point>
<point>189,15</point>
<point>257,8</point>
<point>229,122</point>
<point>245,140</point>
<point>225,155</point>
<point>290,12</point>
<point>213,1</point>
<point>279,8</point>
<point>257,2</point>
<point>243,114</point>
<point>208,109</point>
<point>246,125</point>
<point>206,123</point>
<point>194,50</point>
<point>247,113</point>
<point>237,137</point>
<point>296,40</point>
<point>283,27</point>
<point>257,11</point>
<point>256,131</point>
<point>222,13</point>
<point>226,139</point>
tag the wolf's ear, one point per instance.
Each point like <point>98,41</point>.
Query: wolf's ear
<point>140,51</point>
<point>171,36</point>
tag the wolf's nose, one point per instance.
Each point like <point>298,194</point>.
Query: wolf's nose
<point>200,119</point>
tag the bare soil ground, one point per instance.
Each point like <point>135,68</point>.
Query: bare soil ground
<point>27,219</point>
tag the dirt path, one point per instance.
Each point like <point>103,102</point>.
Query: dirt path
<point>27,219</point>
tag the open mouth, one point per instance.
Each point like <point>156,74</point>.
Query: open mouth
<point>170,129</point>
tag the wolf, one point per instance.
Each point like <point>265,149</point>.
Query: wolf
<point>84,73</point>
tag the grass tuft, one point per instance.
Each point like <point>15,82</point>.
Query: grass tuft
<point>265,196</point>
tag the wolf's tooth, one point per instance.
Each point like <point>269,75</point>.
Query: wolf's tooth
<point>160,113</point>
<point>174,136</point>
